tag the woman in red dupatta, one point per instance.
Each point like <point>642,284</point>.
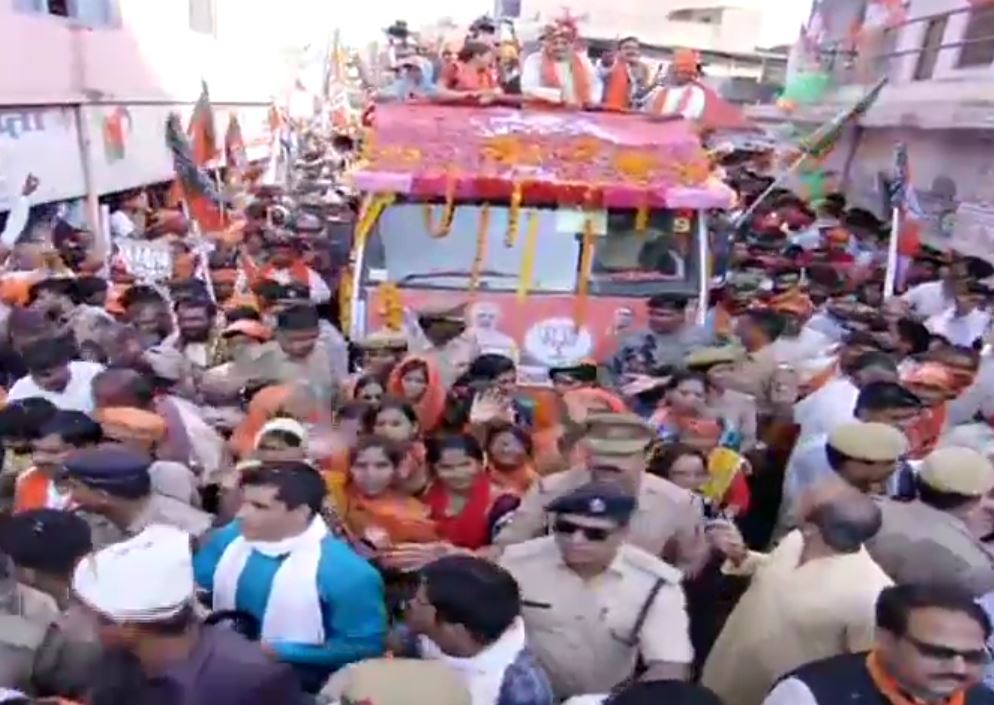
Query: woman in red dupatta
<point>509,465</point>
<point>376,510</point>
<point>416,381</point>
<point>462,501</point>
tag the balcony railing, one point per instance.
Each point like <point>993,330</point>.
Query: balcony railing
<point>848,63</point>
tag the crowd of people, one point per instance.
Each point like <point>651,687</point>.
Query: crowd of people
<point>211,494</point>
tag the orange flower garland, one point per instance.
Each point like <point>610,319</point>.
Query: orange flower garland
<point>513,217</point>
<point>390,306</point>
<point>528,257</point>
<point>372,208</point>
<point>481,247</point>
<point>642,216</point>
<point>441,229</point>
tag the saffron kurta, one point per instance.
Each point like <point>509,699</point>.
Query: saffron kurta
<point>791,615</point>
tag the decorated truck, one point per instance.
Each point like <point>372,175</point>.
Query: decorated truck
<point>552,226</point>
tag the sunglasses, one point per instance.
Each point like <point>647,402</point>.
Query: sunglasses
<point>973,657</point>
<point>591,533</point>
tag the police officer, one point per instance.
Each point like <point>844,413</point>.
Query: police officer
<point>112,486</point>
<point>667,521</point>
<point>593,604</point>
<point>37,656</point>
<point>940,534</point>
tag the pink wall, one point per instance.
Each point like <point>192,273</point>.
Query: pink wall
<point>153,56</point>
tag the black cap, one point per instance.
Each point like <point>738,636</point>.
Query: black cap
<point>115,469</point>
<point>598,500</point>
<point>48,540</point>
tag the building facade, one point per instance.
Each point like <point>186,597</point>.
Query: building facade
<point>87,85</point>
<point>938,57</point>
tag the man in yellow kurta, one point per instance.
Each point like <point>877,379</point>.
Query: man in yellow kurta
<point>811,598</point>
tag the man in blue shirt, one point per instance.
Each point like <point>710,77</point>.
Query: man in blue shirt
<point>319,605</point>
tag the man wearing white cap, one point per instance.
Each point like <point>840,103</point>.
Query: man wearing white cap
<point>141,593</point>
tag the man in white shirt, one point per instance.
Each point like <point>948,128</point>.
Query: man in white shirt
<point>965,321</point>
<point>55,376</point>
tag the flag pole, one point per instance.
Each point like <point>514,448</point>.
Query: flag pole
<point>890,277</point>
<point>777,183</point>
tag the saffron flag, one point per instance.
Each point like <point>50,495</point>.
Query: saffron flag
<point>234,146</point>
<point>904,199</point>
<point>202,198</point>
<point>203,137</point>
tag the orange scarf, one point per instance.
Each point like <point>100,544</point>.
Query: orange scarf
<point>299,273</point>
<point>515,482</point>
<point>659,101</point>
<point>432,403</point>
<point>403,519</point>
<point>924,434</point>
<point>31,491</point>
<point>581,79</point>
<point>618,95</point>
<point>724,322</point>
<point>889,688</point>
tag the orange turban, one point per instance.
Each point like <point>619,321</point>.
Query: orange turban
<point>686,60</point>
<point>15,291</point>
<point>125,423</point>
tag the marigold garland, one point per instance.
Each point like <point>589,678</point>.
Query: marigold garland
<point>371,211</point>
<point>513,217</point>
<point>441,229</point>
<point>482,231</point>
<point>528,257</point>
<point>390,306</point>
<point>642,217</point>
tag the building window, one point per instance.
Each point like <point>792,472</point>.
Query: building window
<point>202,16</point>
<point>935,31</point>
<point>978,40</point>
<point>93,13</point>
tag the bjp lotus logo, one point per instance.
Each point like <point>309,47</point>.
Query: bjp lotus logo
<point>117,124</point>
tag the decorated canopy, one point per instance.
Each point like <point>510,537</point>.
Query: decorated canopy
<point>541,155</point>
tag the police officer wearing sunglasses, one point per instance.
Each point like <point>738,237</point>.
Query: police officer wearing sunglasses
<point>596,608</point>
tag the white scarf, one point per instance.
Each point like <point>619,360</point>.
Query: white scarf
<point>293,611</point>
<point>483,673</point>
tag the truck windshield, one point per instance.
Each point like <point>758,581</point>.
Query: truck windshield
<point>628,262</point>
<point>402,250</point>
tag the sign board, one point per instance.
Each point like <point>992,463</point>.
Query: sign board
<point>43,141</point>
<point>149,262</point>
<point>128,142</point>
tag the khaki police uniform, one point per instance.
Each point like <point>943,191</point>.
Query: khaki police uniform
<point>919,543</point>
<point>667,522</point>
<point>586,633</point>
<point>35,656</point>
<point>158,509</point>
